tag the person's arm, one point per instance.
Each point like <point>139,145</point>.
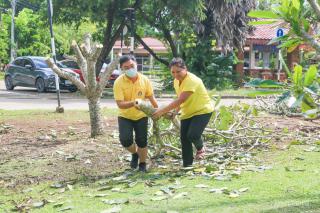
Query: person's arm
<point>173,105</point>
<point>125,104</point>
<point>153,101</point>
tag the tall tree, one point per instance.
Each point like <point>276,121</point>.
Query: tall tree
<point>86,56</point>
<point>108,15</point>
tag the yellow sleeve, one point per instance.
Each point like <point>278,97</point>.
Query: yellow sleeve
<point>190,86</point>
<point>117,91</point>
<point>149,89</point>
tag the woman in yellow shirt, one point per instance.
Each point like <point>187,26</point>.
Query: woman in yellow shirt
<point>195,107</point>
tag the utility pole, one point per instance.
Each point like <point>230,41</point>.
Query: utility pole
<point>12,49</point>
<point>53,49</point>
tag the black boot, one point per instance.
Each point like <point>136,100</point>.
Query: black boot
<point>143,167</point>
<point>134,161</point>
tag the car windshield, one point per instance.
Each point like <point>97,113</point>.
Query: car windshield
<point>70,64</point>
<point>40,63</point>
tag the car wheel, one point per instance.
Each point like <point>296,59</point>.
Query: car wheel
<point>73,89</point>
<point>40,85</point>
<point>9,83</point>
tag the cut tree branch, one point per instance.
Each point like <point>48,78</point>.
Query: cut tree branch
<point>66,75</point>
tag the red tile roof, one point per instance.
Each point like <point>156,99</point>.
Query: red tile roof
<point>267,31</point>
<point>153,43</point>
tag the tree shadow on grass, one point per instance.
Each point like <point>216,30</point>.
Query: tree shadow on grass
<point>313,206</point>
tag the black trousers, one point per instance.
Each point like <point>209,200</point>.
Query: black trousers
<point>126,128</point>
<point>190,133</point>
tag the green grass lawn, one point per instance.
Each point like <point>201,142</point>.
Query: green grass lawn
<point>291,185</point>
<point>72,115</point>
<point>248,92</point>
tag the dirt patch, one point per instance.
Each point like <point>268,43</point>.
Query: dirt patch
<point>288,129</point>
<point>39,150</point>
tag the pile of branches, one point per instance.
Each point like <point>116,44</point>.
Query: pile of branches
<point>277,105</point>
<point>230,127</point>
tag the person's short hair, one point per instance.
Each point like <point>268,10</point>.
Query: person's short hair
<point>123,59</point>
<point>179,62</point>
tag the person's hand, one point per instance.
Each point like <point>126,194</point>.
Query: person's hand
<point>136,103</point>
<point>157,114</point>
<point>170,115</point>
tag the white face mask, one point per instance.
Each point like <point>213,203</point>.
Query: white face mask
<point>132,72</point>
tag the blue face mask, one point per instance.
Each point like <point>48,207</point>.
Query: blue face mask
<point>131,72</point>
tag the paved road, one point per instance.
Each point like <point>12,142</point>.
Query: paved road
<point>28,98</point>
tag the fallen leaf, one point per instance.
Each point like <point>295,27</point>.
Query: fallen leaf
<point>117,190</point>
<point>234,195</point>
<point>122,177</point>
<point>88,161</point>
<point>199,170</point>
<point>70,187</point>
<point>166,191</point>
<point>101,195</point>
<point>57,205</point>
<point>130,185</point>
<point>38,204</point>
<point>219,191</point>
<point>159,198</point>
<point>27,190</point>
<point>159,193</point>
<point>66,209</point>
<point>243,190</point>
<point>56,185</point>
<point>201,186</point>
<point>116,201</point>
<point>105,188</point>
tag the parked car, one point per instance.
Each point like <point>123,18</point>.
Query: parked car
<point>75,67</point>
<point>115,74</point>
<point>33,71</point>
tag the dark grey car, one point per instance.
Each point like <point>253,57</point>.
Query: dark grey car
<point>32,71</point>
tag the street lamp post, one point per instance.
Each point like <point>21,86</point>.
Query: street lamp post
<point>12,49</point>
<point>53,49</point>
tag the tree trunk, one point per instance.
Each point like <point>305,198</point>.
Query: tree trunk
<point>96,119</point>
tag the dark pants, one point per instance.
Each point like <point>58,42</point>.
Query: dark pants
<point>190,132</point>
<point>140,127</point>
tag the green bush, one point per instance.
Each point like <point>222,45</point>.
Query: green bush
<point>216,70</point>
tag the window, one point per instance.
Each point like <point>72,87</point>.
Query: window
<point>71,64</point>
<point>143,63</point>
<point>40,63</point>
<point>18,62</point>
<point>258,59</point>
<point>246,60</point>
<point>27,62</point>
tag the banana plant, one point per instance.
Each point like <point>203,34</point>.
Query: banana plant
<point>305,91</point>
<point>300,17</point>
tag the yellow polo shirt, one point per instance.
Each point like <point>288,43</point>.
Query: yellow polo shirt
<point>125,90</point>
<point>199,102</point>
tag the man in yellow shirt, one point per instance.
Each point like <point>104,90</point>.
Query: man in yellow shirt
<point>195,106</point>
<point>128,87</point>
